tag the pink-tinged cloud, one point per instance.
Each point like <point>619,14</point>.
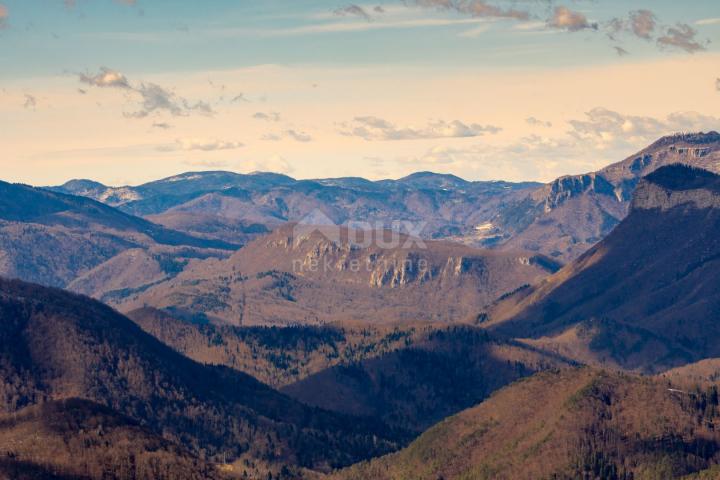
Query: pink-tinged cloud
<point>565,19</point>
<point>3,15</point>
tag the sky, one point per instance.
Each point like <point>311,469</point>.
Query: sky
<point>128,91</point>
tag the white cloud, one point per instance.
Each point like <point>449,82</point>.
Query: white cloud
<point>374,128</point>
<point>475,32</point>
<point>274,163</point>
<point>206,145</point>
<point>565,19</point>
<point>708,21</point>
<point>603,128</point>
<point>106,78</point>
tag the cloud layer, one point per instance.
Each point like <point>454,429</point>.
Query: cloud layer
<point>603,128</point>
<point>374,128</point>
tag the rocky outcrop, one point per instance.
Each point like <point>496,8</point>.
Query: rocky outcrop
<point>676,186</point>
<point>564,188</point>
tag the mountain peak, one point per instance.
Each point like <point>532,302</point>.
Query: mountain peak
<point>80,184</point>
<point>688,138</point>
<point>432,179</point>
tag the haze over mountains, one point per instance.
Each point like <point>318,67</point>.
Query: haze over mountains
<point>256,346</point>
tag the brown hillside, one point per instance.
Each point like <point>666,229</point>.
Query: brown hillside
<point>57,345</point>
<point>578,423</point>
<point>83,440</point>
<point>301,275</point>
<point>646,297</point>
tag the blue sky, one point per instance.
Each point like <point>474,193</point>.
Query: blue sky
<point>329,88</point>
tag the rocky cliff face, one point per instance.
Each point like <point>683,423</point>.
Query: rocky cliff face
<point>677,186</point>
<point>559,191</point>
<point>309,277</point>
<point>567,216</point>
<point>644,297</point>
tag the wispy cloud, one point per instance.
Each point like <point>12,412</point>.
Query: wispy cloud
<point>537,123</point>
<point>274,163</point>
<point>267,116</point>
<point>30,101</point>
<point>207,163</point>
<point>641,23</point>
<point>475,31</point>
<point>340,27</point>
<point>297,135</point>
<point>680,36</point>
<point>621,51</point>
<point>708,21</point>
<point>153,98</point>
<point>474,8</point>
<point>204,145</point>
<point>353,10</point>
<point>374,128</point>
<point>73,3</point>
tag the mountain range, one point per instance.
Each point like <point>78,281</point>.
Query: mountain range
<point>531,331</point>
<point>56,239</point>
<point>561,219</point>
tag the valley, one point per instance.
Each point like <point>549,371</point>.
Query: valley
<point>273,348</point>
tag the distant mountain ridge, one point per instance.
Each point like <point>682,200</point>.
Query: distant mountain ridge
<point>562,218</point>
<point>54,238</point>
<point>446,203</point>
